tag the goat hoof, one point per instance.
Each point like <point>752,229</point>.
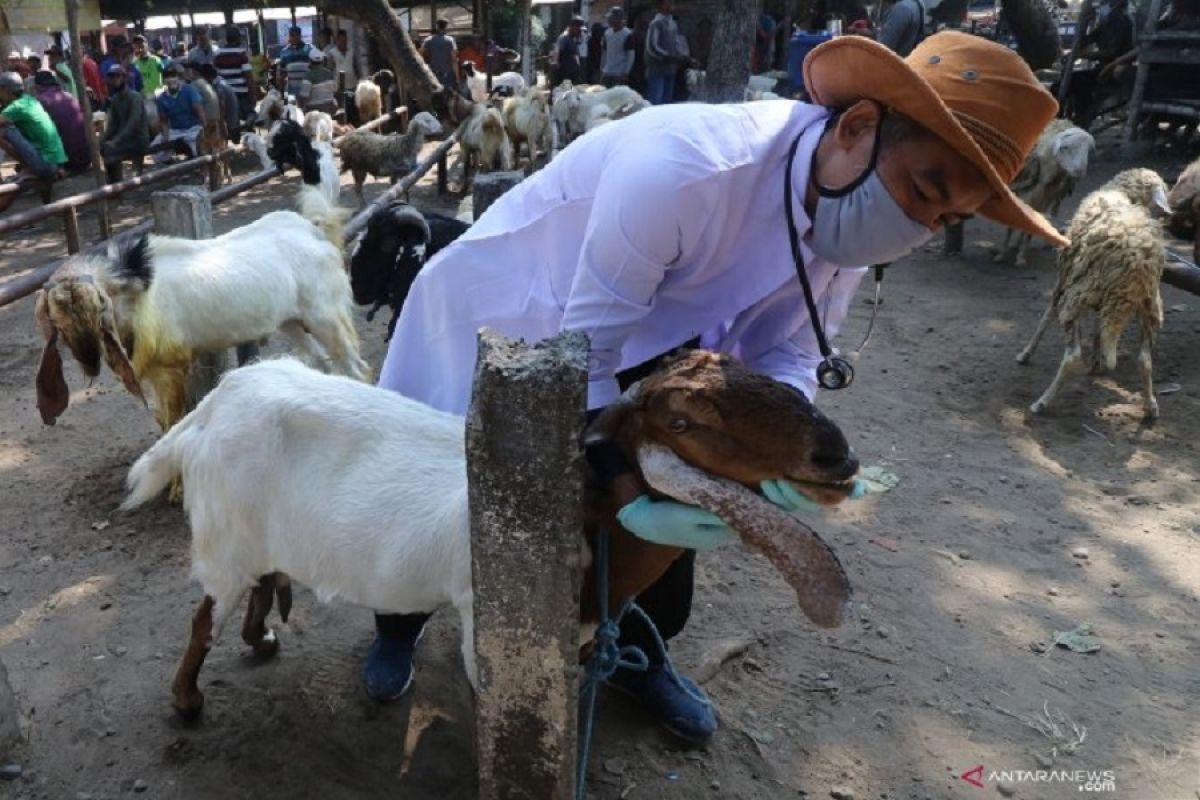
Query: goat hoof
<point>1023,357</point>
<point>1022,261</point>
<point>268,646</point>
<point>188,705</point>
<point>1000,257</point>
<point>1037,407</point>
<point>1151,412</point>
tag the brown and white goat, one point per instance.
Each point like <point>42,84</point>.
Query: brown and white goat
<point>277,482</point>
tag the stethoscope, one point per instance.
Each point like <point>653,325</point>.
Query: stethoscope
<point>834,372</point>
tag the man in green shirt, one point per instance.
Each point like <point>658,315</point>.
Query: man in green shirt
<point>148,65</point>
<point>28,135</point>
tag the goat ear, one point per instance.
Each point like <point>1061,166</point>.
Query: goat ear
<point>117,358</point>
<point>53,396</point>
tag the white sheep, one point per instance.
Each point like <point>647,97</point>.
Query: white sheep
<point>319,126</point>
<point>756,86</point>
<point>368,99</point>
<point>149,306</point>
<point>1112,266</point>
<point>1058,161</point>
<point>388,156</point>
<point>361,494</point>
<point>527,120</point>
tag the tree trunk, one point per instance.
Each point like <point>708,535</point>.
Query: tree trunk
<point>1035,30</point>
<point>397,46</point>
<point>729,60</point>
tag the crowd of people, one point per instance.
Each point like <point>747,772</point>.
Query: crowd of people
<point>196,97</point>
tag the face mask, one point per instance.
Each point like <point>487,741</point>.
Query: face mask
<point>861,224</point>
<point>172,85</point>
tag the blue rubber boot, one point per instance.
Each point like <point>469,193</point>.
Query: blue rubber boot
<point>389,669</point>
<point>665,700</point>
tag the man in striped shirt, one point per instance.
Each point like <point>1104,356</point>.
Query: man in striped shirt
<point>233,65</point>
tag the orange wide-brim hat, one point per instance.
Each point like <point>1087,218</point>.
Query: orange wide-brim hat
<point>977,96</point>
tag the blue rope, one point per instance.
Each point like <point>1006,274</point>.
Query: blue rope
<point>608,657</point>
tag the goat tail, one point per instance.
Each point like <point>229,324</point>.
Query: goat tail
<point>317,208</point>
<point>156,468</point>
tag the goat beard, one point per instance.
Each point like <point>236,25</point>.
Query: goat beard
<point>805,561</point>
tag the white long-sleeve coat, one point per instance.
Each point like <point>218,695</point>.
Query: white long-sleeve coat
<point>644,234</point>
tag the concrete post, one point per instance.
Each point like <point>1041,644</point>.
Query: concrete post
<point>10,728</point>
<point>186,211</point>
<point>487,187</point>
<point>525,493</point>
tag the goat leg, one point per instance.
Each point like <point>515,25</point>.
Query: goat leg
<point>254,628</point>
<point>188,699</point>
<point>283,593</point>
<point>1146,365</point>
<point>1024,356</point>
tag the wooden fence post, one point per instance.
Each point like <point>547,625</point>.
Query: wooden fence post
<point>186,211</point>
<point>525,492</point>
<point>10,730</point>
<point>487,187</point>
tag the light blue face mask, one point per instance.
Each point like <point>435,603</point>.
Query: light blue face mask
<point>861,224</point>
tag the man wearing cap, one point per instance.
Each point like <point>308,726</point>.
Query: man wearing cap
<point>28,136</point>
<point>645,254</point>
<point>318,92</point>
<point>120,54</point>
<point>59,66</point>
<point>441,54</point>
<point>617,61</point>
<point>294,58</point>
<point>180,114</point>
<point>570,62</point>
<point>126,134</point>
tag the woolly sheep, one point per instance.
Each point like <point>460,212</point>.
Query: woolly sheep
<point>1058,161</point>
<point>573,109</point>
<point>391,156</point>
<point>482,139</point>
<point>1113,267</point>
<point>150,305</point>
<point>390,476</point>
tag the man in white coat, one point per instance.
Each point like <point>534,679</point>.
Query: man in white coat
<point>695,223</point>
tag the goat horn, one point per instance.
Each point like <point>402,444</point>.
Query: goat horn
<point>805,561</point>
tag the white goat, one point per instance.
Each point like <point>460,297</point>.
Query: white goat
<point>1058,161</point>
<point>1113,267</point>
<point>482,139</point>
<point>166,299</point>
<point>756,86</point>
<point>319,126</point>
<point>477,82</point>
<point>274,106</point>
<point>573,109</point>
<point>527,119</point>
<point>368,99</point>
<point>255,144</point>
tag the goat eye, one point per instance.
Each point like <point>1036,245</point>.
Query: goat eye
<point>678,425</point>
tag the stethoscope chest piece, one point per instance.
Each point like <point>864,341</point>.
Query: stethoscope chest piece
<point>835,373</point>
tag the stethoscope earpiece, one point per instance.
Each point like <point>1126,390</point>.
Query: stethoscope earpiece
<point>835,373</point>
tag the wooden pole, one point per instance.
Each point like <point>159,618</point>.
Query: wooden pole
<point>71,228</point>
<point>524,490</point>
<point>186,212</point>
<point>1086,15</point>
<point>102,210</point>
<point>1134,109</point>
<point>1182,276</point>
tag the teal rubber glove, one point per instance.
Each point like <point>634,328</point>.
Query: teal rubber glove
<point>675,524</point>
<point>783,494</point>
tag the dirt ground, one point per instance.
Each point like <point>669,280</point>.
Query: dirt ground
<point>960,571</point>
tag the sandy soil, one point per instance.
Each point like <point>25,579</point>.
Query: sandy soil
<point>972,558</point>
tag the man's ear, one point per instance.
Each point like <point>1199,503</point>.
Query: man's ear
<point>857,122</point>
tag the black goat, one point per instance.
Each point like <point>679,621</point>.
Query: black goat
<point>288,145</point>
<point>399,239</point>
